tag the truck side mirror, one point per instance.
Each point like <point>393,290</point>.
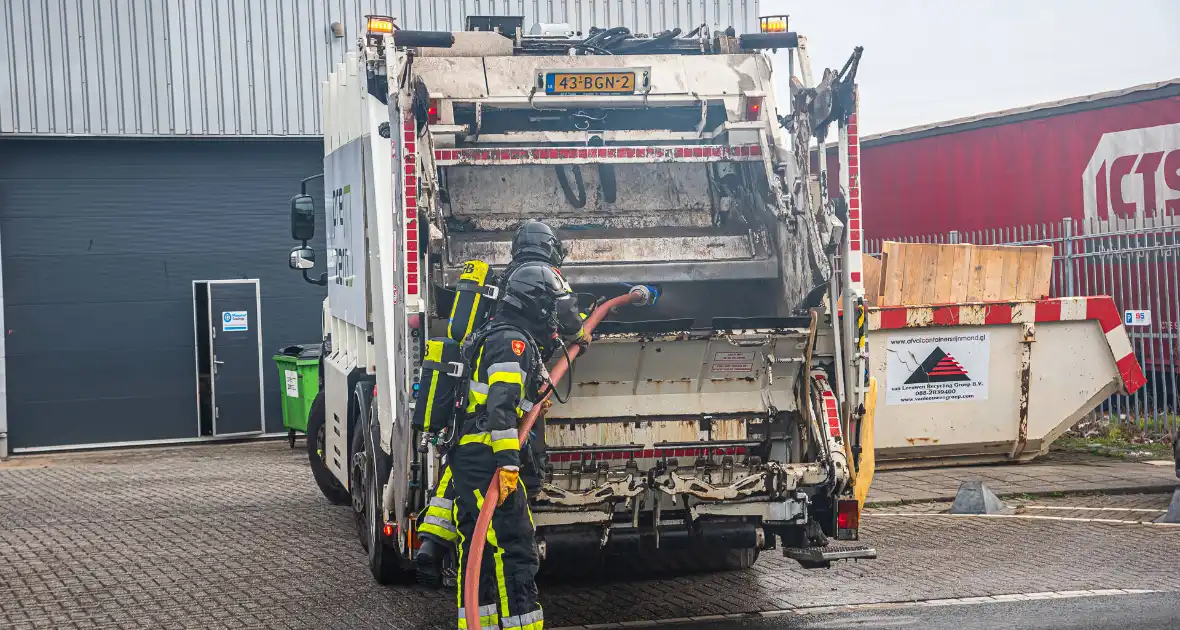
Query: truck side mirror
<point>302,219</point>
<point>302,257</point>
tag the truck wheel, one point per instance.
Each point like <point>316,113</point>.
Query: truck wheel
<point>358,467</point>
<point>385,564</point>
<point>740,559</point>
<point>332,489</point>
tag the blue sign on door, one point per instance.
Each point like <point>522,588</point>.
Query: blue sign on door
<point>234,321</point>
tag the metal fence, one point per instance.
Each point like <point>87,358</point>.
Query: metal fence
<point>1133,262</point>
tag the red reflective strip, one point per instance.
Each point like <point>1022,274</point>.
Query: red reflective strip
<point>1103,310</point>
<point>854,245</point>
<point>1048,311</point>
<point>997,314</point>
<point>607,153</point>
<point>833,415</point>
<point>946,316</point>
<point>855,276</point>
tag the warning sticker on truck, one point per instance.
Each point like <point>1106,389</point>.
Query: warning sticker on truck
<point>937,368</point>
<point>730,362</point>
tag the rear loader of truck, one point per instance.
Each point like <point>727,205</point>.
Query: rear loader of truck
<point>724,416</point>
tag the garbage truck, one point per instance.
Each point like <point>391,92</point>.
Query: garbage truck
<point>732,415</point>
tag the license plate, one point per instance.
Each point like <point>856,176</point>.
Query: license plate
<point>590,83</point>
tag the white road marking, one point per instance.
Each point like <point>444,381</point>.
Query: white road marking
<point>820,610</point>
<point>1069,519</point>
<point>1091,509</point>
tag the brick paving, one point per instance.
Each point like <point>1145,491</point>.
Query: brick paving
<point>1052,473</point>
<point>238,537</point>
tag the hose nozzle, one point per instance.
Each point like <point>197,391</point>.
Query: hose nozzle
<point>644,295</point>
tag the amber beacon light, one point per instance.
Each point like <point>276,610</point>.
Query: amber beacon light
<point>773,24</point>
<point>379,24</point>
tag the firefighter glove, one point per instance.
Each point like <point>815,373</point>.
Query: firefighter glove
<point>582,340</point>
<point>509,479</point>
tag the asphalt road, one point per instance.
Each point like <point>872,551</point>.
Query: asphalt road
<point>1155,611</point>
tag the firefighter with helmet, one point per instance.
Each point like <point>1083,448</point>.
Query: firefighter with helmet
<point>534,241</point>
<point>506,380</point>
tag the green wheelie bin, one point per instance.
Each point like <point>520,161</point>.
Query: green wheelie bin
<point>299,382</point>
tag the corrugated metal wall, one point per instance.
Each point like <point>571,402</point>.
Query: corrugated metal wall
<point>239,67</point>
<point>102,241</point>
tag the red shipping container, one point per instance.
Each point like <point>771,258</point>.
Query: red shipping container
<point>1116,153</point>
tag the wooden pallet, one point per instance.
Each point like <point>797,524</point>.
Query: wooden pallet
<point>920,273</point>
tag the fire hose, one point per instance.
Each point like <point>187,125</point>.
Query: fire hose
<point>637,296</point>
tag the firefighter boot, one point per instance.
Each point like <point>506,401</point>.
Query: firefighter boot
<point>428,562</point>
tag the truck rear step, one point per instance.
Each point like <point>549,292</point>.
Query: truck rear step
<point>822,557</point>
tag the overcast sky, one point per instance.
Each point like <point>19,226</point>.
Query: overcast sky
<point>932,60</point>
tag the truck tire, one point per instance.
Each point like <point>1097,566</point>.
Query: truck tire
<point>385,564</point>
<point>357,470</point>
<point>332,489</point>
<point>740,559</point>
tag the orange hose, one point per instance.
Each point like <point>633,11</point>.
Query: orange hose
<point>475,555</point>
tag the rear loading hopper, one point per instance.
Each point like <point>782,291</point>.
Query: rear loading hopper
<point>972,383</point>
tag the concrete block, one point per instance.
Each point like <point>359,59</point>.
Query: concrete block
<point>1173,515</point>
<point>974,497</point>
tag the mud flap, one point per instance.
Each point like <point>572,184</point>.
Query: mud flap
<point>863,475</point>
